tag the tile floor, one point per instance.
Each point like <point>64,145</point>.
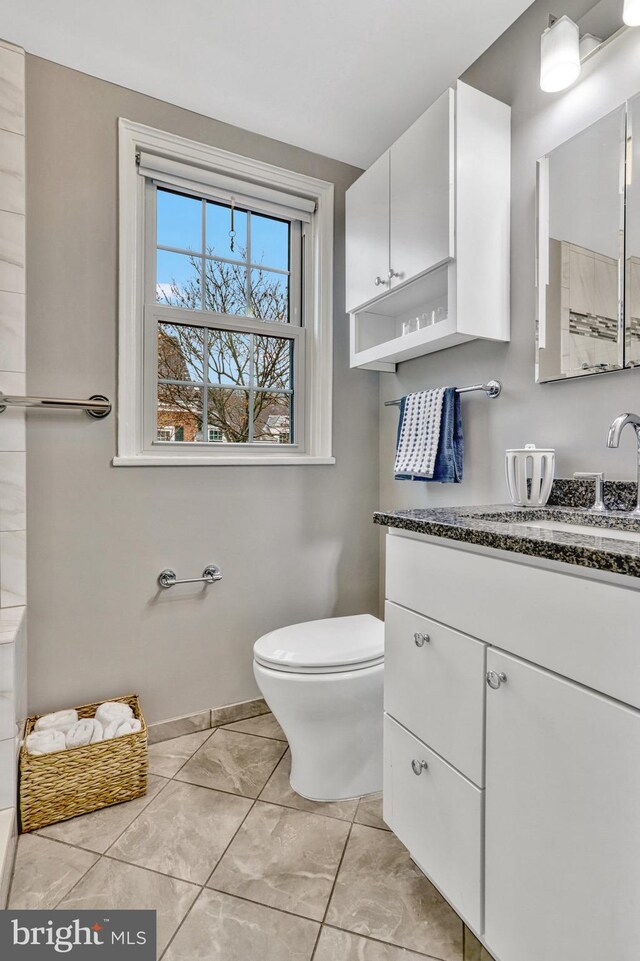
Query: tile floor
<point>239,867</point>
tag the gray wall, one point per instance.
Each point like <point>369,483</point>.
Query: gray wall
<point>573,417</point>
<point>293,543</point>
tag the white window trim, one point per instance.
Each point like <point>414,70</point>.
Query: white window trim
<point>135,137</point>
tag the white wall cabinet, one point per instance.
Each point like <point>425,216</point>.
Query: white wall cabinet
<point>526,816</point>
<point>427,230</point>
<point>399,210</point>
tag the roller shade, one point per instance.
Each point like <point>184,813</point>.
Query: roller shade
<point>216,186</point>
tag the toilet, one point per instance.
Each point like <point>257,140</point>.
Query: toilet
<point>323,682</point>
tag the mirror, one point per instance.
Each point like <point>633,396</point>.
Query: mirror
<point>580,245</point>
<point>632,237</point>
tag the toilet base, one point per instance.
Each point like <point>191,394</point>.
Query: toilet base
<point>333,723</point>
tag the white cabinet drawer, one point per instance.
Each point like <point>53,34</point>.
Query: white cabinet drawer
<point>436,690</point>
<point>581,628</point>
<point>438,816</point>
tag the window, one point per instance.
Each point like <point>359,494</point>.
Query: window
<point>234,263</point>
<point>225,307</point>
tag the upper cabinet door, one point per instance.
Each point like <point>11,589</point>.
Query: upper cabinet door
<point>422,227</point>
<point>367,231</point>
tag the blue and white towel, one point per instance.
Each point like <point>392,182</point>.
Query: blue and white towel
<point>419,433</point>
<point>430,444</point>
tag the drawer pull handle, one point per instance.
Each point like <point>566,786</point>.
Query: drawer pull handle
<point>494,680</point>
<point>421,639</point>
<point>419,766</point>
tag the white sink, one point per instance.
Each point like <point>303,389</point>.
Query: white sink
<point>583,530</point>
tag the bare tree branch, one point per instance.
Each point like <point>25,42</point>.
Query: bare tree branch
<point>181,350</point>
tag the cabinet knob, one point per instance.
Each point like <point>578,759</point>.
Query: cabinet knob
<point>494,680</point>
<point>418,766</point>
<point>420,639</point>
<point>393,273</point>
<point>381,281</point>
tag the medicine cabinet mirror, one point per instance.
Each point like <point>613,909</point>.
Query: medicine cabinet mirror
<point>588,258</point>
<point>632,237</point>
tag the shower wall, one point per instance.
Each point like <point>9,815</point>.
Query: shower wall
<point>12,443</point>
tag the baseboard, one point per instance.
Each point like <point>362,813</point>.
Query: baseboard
<point>203,720</point>
<point>8,837</point>
<point>177,726</point>
<point>238,712</point>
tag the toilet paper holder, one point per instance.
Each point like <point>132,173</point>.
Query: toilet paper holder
<point>210,575</point>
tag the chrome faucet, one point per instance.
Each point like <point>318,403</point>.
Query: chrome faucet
<point>613,440</point>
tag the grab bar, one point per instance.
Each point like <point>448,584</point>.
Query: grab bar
<point>96,406</point>
<point>210,574</point>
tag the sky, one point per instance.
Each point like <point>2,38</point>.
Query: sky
<point>179,224</point>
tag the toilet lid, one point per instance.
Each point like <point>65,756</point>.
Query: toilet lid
<point>329,645</point>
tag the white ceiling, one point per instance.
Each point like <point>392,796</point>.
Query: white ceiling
<point>340,77</point>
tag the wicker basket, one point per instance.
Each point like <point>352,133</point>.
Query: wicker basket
<point>55,787</point>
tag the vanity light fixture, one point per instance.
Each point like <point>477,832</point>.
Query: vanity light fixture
<point>631,13</point>
<point>563,49</point>
<point>560,54</point>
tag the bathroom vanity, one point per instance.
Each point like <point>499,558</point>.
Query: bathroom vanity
<point>512,722</point>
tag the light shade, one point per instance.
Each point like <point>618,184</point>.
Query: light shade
<point>560,55</point>
<point>588,43</point>
<point>631,13</point>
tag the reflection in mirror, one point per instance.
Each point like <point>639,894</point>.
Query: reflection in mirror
<point>580,238</point>
<point>632,236</point>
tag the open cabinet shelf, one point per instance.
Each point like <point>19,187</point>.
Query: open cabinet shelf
<point>378,342</point>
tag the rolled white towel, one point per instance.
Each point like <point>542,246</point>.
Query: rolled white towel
<point>86,731</point>
<point>129,727</point>
<point>111,730</point>
<point>46,742</point>
<point>58,721</point>
<point>98,731</point>
<point>113,711</point>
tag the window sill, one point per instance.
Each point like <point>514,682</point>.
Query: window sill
<point>266,460</point>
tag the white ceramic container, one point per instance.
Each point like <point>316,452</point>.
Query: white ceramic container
<point>529,471</point>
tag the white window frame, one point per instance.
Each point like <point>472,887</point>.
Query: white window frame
<point>134,446</point>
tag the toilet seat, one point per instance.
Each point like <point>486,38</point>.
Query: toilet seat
<point>330,646</point>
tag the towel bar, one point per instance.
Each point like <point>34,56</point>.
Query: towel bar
<point>210,574</point>
<point>492,389</point>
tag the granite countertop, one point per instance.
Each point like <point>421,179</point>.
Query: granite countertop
<point>499,527</point>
